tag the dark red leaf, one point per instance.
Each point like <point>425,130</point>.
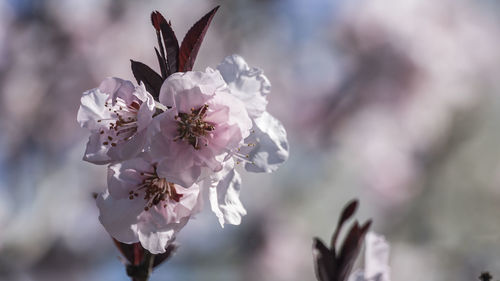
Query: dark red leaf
<point>171,48</point>
<point>366,226</point>
<point>149,77</point>
<point>192,41</point>
<point>349,210</point>
<point>332,266</point>
<point>347,213</point>
<point>156,18</point>
<point>162,63</point>
<point>324,261</point>
<point>350,249</point>
<point>349,252</point>
<point>169,42</point>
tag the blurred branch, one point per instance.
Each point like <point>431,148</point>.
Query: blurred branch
<point>140,262</point>
<point>485,276</point>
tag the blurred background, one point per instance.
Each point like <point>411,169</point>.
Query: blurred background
<point>394,102</point>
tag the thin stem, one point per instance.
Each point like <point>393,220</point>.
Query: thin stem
<point>142,271</point>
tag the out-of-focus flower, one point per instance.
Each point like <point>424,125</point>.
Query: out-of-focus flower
<point>204,124</point>
<point>264,150</point>
<point>140,206</point>
<point>267,146</point>
<point>248,84</point>
<point>224,191</point>
<point>117,114</point>
<point>376,260</point>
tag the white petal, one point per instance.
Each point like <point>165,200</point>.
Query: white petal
<point>358,275</point>
<point>147,109</point>
<point>156,241</point>
<point>185,177</point>
<point>92,109</point>
<point>119,217</point>
<point>96,152</point>
<point>270,148</point>
<point>125,176</point>
<point>224,198</point>
<point>377,258</point>
<point>185,90</point>
<point>238,114</point>
<point>116,87</point>
<point>248,84</point>
<point>130,148</point>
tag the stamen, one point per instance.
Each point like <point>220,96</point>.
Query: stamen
<point>122,124</point>
<point>156,190</point>
<point>240,156</point>
<point>192,128</point>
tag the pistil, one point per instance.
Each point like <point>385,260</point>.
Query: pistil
<point>157,191</point>
<point>192,127</point>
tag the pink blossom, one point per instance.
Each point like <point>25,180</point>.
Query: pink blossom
<point>203,125</point>
<point>140,206</point>
<point>266,148</point>
<point>117,114</point>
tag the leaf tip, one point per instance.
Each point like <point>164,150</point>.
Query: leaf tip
<point>349,210</point>
<point>366,226</point>
<point>156,20</point>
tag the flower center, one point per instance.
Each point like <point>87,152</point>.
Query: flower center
<point>123,126</point>
<point>156,191</point>
<point>192,128</point>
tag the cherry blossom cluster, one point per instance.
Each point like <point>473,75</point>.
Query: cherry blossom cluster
<point>168,152</point>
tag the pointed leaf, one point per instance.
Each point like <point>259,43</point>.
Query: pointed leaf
<point>169,40</point>
<point>171,48</point>
<point>162,63</point>
<point>192,41</point>
<point>348,252</point>
<point>156,19</point>
<point>350,249</point>
<point>149,77</point>
<point>347,213</point>
<point>324,261</point>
